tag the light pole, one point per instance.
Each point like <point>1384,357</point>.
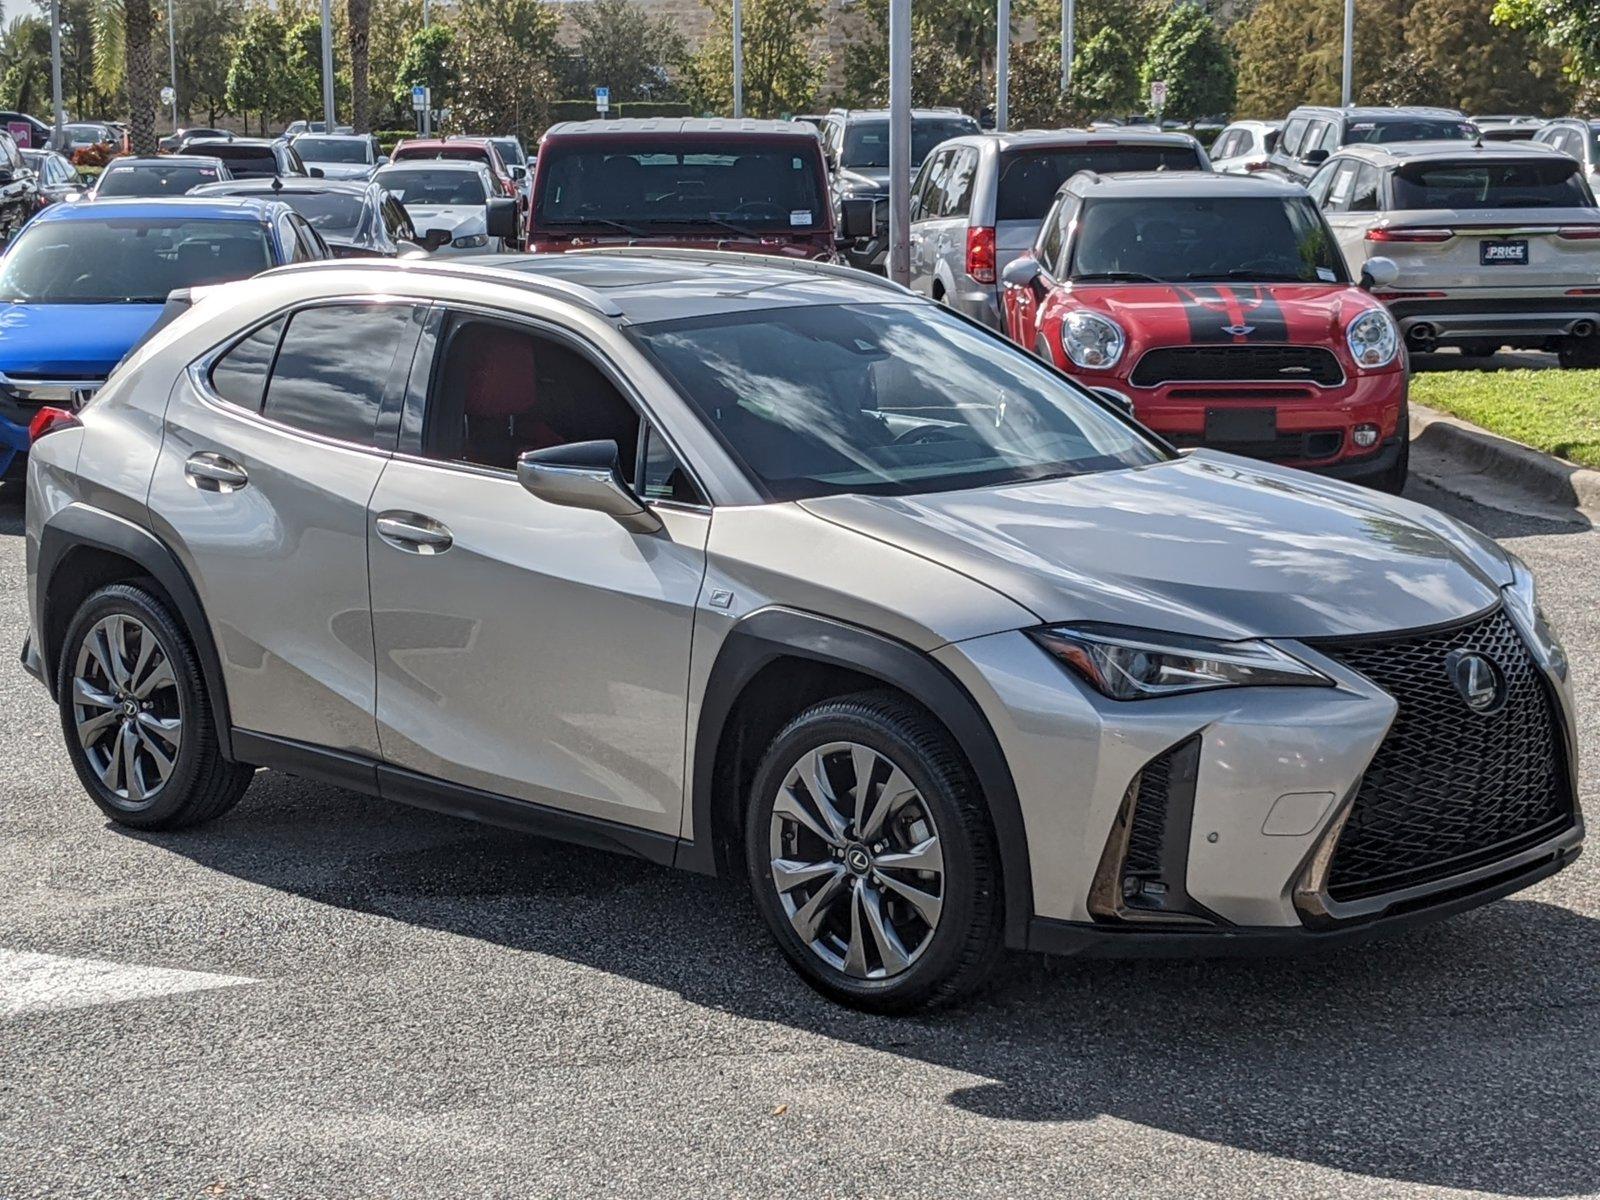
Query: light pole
<point>427,111</point>
<point>172,63</point>
<point>59,112</point>
<point>738,59</point>
<point>327,64</point>
<point>900,141</point>
<point>1002,64</point>
<point>1069,9</point>
<point>1349,47</point>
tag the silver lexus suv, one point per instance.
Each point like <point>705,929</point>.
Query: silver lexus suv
<point>774,568</point>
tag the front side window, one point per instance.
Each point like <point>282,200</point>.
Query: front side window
<point>744,184</point>
<point>155,180</point>
<point>1292,133</point>
<point>128,260</point>
<point>1029,179</point>
<point>1261,239</point>
<point>1527,183</point>
<point>332,367</point>
<point>884,399</point>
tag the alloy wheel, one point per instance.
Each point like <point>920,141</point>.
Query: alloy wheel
<point>126,708</point>
<point>856,860</point>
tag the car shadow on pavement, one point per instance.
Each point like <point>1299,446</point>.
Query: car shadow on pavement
<point>1456,1056</point>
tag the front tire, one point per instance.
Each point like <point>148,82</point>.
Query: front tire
<point>1580,353</point>
<point>871,856</point>
<point>136,716</point>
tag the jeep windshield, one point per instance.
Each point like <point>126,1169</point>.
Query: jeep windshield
<point>769,186</point>
<point>1030,178</point>
<point>128,260</point>
<point>1553,182</point>
<point>1155,239</point>
<point>866,143</point>
<point>883,399</point>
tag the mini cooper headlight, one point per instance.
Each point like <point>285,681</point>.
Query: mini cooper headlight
<point>1129,664</point>
<point>1091,340</point>
<point>471,242</point>
<point>1374,341</point>
<point>1522,598</point>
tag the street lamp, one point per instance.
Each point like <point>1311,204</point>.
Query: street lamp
<point>172,63</point>
<point>900,141</point>
<point>60,117</point>
<point>1068,11</point>
<point>738,59</point>
<point>1002,64</point>
<point>327,63</point>
<point>1349,48</point>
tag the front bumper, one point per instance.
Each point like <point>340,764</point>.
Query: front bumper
<point>1256,814</point>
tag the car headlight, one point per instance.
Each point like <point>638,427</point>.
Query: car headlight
<point>1373,339</point>
<point>1128,664</point>
<point>1092,340</point>
<point>1522,598</point>
<point>471,242</point>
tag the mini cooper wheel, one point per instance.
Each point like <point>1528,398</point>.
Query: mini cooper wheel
<point>136,716</point>
<point>871,856</point>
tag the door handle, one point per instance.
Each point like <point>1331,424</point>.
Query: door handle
<point>212,473</point>
<point>413,533</point>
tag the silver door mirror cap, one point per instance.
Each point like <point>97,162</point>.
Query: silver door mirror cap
<point>585,475</point>
<point>1379,272</point>
<point>1020,271</point>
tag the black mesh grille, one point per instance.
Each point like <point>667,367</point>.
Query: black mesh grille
<point>1286,447</point>
<point>1450,789</point>
<point>1149,818</point>
<point>1270,364</point>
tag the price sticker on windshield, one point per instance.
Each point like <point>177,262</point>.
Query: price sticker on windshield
<point>800,217</point>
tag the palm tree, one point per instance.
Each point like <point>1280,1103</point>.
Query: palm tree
<point>124,31</point>
<point>359,19</point>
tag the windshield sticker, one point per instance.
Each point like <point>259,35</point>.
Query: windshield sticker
<point>803,217</point>
<point>1325,275</point>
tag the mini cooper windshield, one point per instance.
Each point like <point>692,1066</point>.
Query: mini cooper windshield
<point>1261,239</point>
<point>886,399</point>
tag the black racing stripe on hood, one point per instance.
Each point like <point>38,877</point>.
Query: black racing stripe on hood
<point>1213,310</point>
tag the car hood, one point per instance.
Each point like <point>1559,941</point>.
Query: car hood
<point>1210,312</point>
<point>460,218</point>
<point>1206,544</point>
<point>68,340</point>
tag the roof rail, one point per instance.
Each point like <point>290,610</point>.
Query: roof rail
<point>487,272</point>
<point>810,265</point>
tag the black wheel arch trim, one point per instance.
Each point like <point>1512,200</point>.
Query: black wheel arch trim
<point>78,526</point>
<point>773,633</point>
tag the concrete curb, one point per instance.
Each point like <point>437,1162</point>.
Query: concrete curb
<point>1506,462</point>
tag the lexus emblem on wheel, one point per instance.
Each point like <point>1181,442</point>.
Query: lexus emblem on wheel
<point>1478,680</point>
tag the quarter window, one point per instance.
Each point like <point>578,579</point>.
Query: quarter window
<point>333,365</point>
<point>1364,194</point>
<point>240,375</point>
<point>958,186</point>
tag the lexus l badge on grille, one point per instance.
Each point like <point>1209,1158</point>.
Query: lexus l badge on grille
<point>1478,680</point>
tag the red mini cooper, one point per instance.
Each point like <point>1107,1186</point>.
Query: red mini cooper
<point>1220,310</point>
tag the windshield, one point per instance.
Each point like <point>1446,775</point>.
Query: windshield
<point>884,399</point>
<point>1029,179</point>
<point>78,134</point>
<point>420,186</point>
<point>737,185</point>
<point>461,153</point>
<point>329,213</point>
<point>246,160</point>
<point>333,150</point>
<point>1152,239</point>
<point>1420,129</point>
<point>866,143</point>
<point>127,260</point>
<point>1534,183</point>
<point>155,180</point>
<point>510,150</point>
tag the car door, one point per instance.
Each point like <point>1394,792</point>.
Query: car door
<point>947,236</point>
<point>271,449</point>
<point>524,649</point>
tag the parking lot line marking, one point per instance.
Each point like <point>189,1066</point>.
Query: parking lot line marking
<point>32,982</point>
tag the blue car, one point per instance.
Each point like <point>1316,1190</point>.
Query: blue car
<point>82,283</point>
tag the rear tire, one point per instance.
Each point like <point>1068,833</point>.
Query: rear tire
<point>1580,353</point>
<point>1479,349</point>
<point>136,715</point>
<point>887,901</point>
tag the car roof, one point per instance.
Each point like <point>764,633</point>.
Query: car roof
<point>1021,138</point>
<point>1379,112</point>
<point>164,160</point>
<point>1401,152</point>
<point>333,137</point>
<point>641,285</point>
<point>273,187</point>
<point>434,143</point>
<point>231,141</point>
<point>221,208</point>
<point>882,114</point>
<point>431,164</point>
<point>737,126</point>
<point>1199,184</point>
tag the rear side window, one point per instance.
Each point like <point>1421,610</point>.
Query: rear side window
<point>1533,183</point>
<point>1029,179</point>
<point>240,375</point>
<point>332,366</point>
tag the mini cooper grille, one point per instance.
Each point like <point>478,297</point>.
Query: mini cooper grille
<point>1285,448</point>
<point>1230,364</point>
<point>1450,789</point>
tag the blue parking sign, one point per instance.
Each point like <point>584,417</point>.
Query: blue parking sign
<point>602,99</point>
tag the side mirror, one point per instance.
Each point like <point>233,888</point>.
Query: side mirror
<point>858,219</point>
<point>383,160</point>
<point>315,172</point>
<point>435,238</point>
<point>1379,272</point>
<point>585,475</point>
<point>1021,271</point>
<point>501,218</point>
<point>1314,158</point>
<point>519,172</point>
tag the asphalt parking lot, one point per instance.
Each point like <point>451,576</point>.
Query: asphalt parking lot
<point>321,995</point>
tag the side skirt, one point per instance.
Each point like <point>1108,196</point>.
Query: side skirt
<point>437,795</point>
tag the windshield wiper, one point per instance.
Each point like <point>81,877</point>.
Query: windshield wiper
<point>1251,276</point>
<point>741,230</point>
<point>575,221</point>
<point>1125,276</point>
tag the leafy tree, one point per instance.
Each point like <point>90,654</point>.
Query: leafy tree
<point>1105,72</point>
<point>204,33</point>
<point>393,23</point>
<point>1480,66</point>
<point>1570,26</point>
<point>138,20</point>
<point>1291,52</point>
<point>429,60</point>
<point>782,70</point>
<point>497,89</point>
<point>1197,65</point>
<point>300,67</point>
<point>623,47</point>
<point>25,64</point>
<point>952,54</point>
<point>255,71</point>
